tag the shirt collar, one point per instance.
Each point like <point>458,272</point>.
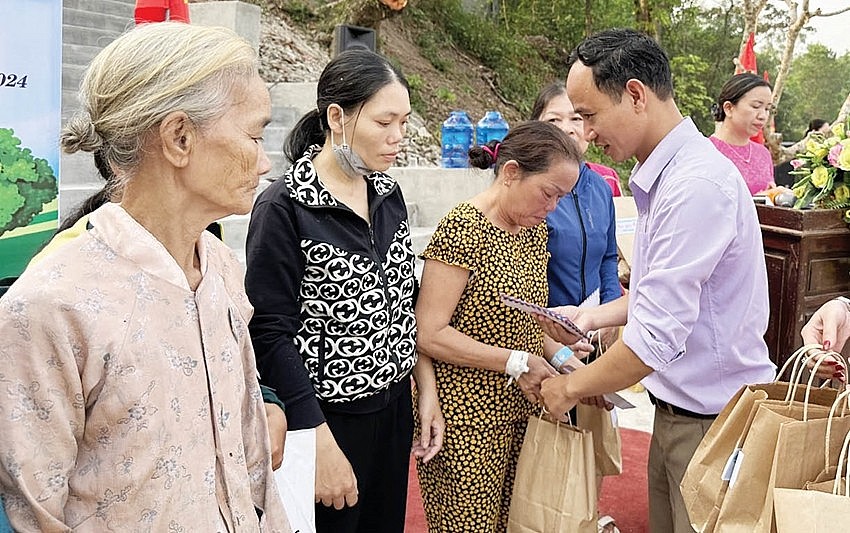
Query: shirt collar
<point>121,232</point>
<point>308,189</point>
<point>645,174</point>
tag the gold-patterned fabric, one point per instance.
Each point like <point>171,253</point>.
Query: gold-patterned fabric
<point>467,486</point>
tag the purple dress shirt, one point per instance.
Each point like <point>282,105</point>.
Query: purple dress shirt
<point>698,303</point>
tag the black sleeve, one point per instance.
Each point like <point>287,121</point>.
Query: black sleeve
<point>275,267</point>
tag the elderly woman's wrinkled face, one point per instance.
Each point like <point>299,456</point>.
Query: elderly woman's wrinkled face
<point>230,157</point>
<point>533,197</point>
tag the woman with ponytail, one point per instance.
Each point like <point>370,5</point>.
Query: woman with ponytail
<point>740,113</point>
<point>330,275</point>
<point>488,358</point>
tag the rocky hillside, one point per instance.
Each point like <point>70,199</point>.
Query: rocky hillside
<point>444,80</point>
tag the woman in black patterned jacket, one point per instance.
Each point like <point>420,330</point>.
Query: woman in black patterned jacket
<point>330,274</point>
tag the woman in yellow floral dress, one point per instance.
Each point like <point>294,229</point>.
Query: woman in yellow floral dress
<point>487,356</point>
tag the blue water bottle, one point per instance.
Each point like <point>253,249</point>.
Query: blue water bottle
<point>491,127</point>
<point>456,137</point>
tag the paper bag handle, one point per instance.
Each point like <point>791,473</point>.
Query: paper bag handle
<point>843,396</point>
<point>836,484</point>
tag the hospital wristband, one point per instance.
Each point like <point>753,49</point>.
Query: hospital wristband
<point>517,364</point>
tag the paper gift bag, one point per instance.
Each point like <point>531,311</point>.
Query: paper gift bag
<point>606,438</point>
<point>704,484</point>
<point>776,453</point>
<point>812,510</point>
<point>555,484</point>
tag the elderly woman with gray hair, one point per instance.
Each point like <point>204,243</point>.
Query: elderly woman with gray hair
<point>130,398</point>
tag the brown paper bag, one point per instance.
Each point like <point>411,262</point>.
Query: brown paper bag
<point>777,453</point>
<point>606,438</point>
<point>808,511</point>
<point>814,510</point>
<point>703,486</point>
<point>555,486</point>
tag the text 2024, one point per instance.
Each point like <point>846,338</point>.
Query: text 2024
<point>13,80</point>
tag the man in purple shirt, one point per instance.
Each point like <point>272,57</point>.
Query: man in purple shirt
<point>697,306</point>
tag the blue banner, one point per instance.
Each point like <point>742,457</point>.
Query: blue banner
<point>30,120</point>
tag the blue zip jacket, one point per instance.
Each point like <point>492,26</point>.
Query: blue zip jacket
<point>583,244</point>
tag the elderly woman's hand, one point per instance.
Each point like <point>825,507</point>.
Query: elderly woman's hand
<point>276,419</point>
<point>538,371</point>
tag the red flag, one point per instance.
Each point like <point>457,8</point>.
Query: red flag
<point>747,59</point>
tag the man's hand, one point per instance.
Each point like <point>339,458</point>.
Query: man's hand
<point>433,427</point>
<point>555,398</point>
<point>276,419</point>
<point>581,347</point>
<point>336,484</point>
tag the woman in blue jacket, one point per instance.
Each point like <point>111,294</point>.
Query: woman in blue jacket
<point>582,229</point>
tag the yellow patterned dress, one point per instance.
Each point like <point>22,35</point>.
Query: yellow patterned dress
<point>467,486</point>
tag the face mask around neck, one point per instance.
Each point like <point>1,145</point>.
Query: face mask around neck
<point>347,159</point>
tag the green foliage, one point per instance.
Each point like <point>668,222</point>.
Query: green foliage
<point>26,183</point>
<point>689,72</point>
<point>446,95</point>
<point>299,11</point>
<point>519,67</point>
<point>816,86</point>
<point>416,85</point>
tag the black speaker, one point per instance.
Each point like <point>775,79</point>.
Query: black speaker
<point>348,37</point>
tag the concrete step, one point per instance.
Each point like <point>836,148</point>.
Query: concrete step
<point>299,96</point>
<point>274,137</point>
<point>79,54</point>
<point>71,77</point>
<point>412,213</point>
<point>420,236</point>
<point>87,35</point>
<point>121,8</point>
<point>70,102</point>
<point>96,19</point>
<point>78,169</point>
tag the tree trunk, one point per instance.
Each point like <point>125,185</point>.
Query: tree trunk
<point>588,18</point>
<point>751,10</point>
<point>796,20</point>
<point>643,17</point>
<point>844,111</point>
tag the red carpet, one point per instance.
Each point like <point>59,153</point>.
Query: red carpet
<point>624,497</point>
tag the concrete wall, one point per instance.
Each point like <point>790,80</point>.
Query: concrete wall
<point>434,190</point>
<point>242,18</point>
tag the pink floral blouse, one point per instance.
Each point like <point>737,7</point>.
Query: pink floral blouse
<point>129,402</point>
<point>752,160</point>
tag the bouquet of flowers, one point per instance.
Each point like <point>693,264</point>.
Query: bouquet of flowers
<point>824,170</point>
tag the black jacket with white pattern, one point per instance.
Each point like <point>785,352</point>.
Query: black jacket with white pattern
<point>333,296</point>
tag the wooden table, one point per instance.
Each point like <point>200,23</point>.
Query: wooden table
<point>808,263</point>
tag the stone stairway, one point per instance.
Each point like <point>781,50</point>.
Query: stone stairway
<point>89,25</point>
